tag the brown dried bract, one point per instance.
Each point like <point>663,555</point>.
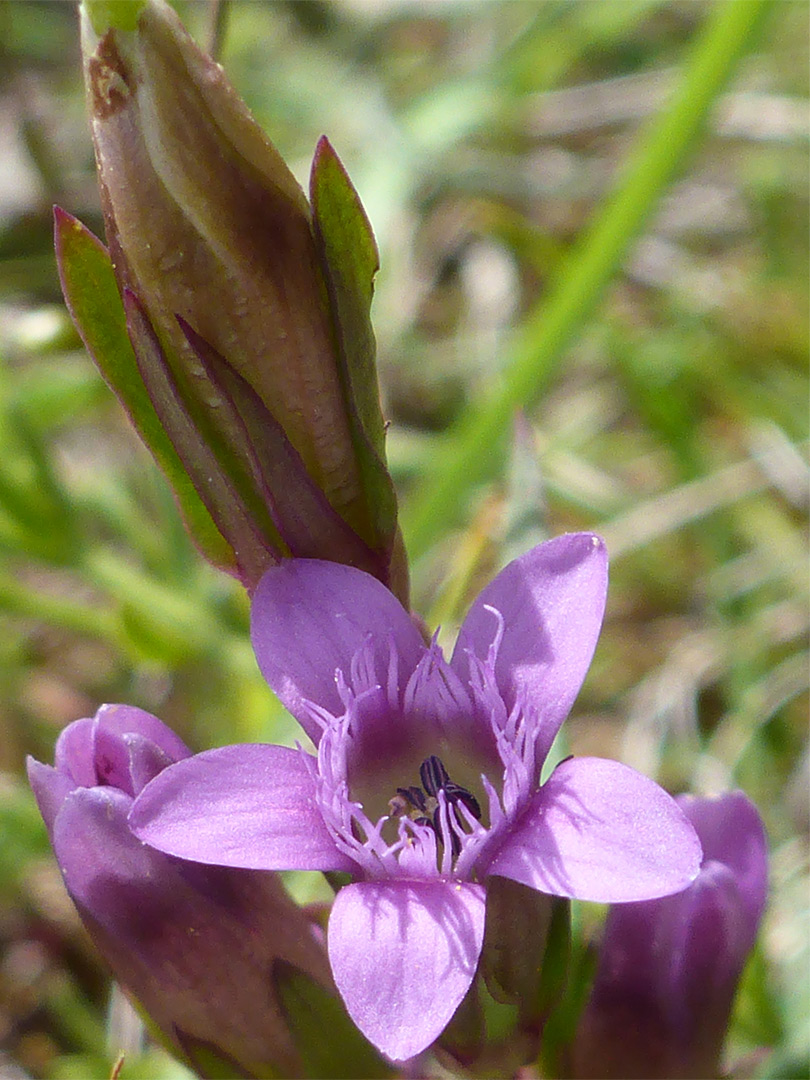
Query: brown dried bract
<point>110,81</point>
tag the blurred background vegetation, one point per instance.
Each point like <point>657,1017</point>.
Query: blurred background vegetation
<point>659,362</point>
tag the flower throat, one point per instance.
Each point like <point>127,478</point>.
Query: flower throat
<point>422,804</point>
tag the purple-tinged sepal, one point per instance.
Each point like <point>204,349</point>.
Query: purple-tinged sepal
<point>668,968</point>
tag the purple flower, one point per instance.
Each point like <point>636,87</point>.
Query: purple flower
<point>200,947</point>
<point>426,779</point>
<point>669,968</point>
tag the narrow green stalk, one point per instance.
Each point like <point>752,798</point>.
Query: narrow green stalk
<point>474,448</point>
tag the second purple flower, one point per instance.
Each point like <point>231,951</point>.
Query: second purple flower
<point>426,779</point>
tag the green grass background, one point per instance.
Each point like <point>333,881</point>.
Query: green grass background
<point>592,313</point>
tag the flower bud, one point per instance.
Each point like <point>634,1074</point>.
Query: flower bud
<point>247,307</point>
<point>197,946</point>
<point>668,969</point>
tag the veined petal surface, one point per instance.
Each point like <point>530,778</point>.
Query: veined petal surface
<point>248,806</point>
<point>598,830</point>
<point>403,955</point>
<point>551,601</point>
<point>310,618</point>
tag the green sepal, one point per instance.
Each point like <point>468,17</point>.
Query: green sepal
<point>328,1042</point>
<point>92,297</point>
<point>350,260</point>
<point>557,958</point>
<point>518,920</point>
<point>464,1037</point>
<point>526,949</point>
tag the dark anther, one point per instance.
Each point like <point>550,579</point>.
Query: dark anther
<point>457,793</point>
<point>435,779</point>
<point>414,795</point>
<point>433,775</point>
<point>417,804</point>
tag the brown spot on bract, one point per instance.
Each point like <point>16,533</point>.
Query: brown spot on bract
<point>110,81</point>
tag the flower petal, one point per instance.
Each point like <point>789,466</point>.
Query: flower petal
<point>146,760</point>
<point>51,787</point>
<point>598,830</point>
<point>732,833</point>
<point>95,849</point>
<point>92,750</point>
<point>403,954</point>
<point>130,746</point>
<point>552,600</point>
<point>111,758</point>
<point>710,947</point>
<point>310,618</point>
<point>665,982</point>
<point>249,806</point>
<point>74,753</point>
<point>129,720</point>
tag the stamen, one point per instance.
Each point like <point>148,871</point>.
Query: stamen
<point>433,775</point>
<point>414,795</point>
<point>406,800</point>
<point>456,793</point>
<point>454,811</point>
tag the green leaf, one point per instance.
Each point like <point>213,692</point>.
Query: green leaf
<point>350,260</point>
<point>92,297</point>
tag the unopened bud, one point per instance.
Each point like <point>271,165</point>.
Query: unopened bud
<point>247,307</point>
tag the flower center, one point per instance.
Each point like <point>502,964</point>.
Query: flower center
<point>421,804</point>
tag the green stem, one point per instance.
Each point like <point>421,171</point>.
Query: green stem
<point>474,448</point>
